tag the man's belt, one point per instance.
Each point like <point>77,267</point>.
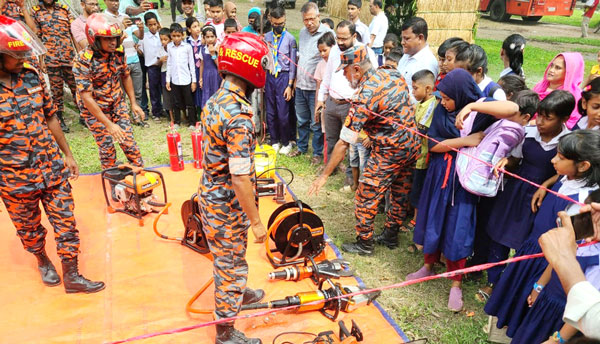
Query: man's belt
<point>339,101</point>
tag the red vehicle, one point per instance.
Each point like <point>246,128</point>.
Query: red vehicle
<point>529,10</point>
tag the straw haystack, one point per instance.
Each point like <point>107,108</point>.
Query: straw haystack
<point>338,11</point>
<point>445,19</point>
<point>449,18</point>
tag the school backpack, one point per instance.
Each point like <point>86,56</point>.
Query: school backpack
<point>500,139</point>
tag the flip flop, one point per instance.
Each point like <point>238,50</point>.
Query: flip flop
<point>409,227</point>
<point>482,296</point>
<point>412,248</point>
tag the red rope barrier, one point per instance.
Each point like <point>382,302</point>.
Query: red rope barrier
<point>475,268</point>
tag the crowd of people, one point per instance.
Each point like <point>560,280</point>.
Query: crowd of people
<point>397,110</point>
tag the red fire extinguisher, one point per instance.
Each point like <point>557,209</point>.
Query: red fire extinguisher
<point>197,146</point>
<point>175,152</point>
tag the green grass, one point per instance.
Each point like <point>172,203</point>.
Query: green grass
<point>535,60</point>
<point>585,43</point>
<point>573,20</point>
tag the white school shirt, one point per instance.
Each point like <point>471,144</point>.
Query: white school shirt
<point>335,83</point>
<point>151,48</point>
<point>410,64</point>
<point>531,131</point>
<point>181,69</point>
<point>379,28</point>
<point>498,94</point>
<point>363,29</point>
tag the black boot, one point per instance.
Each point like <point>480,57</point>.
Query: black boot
<point>74,282</point>
<point>389,238</point>
<point>252,296</point>
<point>63,125</point>
<point>47,270</point>
<point>361,246</point>
<point>226,334</point>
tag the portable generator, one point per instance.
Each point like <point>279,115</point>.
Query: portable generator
<point>132,191</point>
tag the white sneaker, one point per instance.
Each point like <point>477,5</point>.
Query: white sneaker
<point>276,147</point>
<point>285,150</point>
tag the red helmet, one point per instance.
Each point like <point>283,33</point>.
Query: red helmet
<point>102,25</point>
<point>17,40</point>
<point>245,55</point>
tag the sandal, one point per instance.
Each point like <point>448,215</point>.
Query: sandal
<point>409,227</point>
<point>414,249</point>
<point>483,294</point>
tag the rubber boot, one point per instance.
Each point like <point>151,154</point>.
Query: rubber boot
<point>74,282</point>
<point>252,296</point>
<point>47,270</point>
<point>226,334</point>
<point>389,237</point>
<point>360,246</point>
<point>63,125</point>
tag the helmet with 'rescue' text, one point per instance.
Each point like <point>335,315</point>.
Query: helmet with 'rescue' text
<point>17,40</point>
<point>245,55</point>
<point>101,25</point>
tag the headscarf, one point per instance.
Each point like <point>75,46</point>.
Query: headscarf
<point>574,66</point>
<point>459,86</point>
<point>254,10</point>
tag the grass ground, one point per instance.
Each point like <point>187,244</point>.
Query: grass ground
<point>573,20</point>
<point>420,310</point>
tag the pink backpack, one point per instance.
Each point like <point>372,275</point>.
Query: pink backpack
<point>500,139</point>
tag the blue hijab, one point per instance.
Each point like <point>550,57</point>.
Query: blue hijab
<point>459,86</point>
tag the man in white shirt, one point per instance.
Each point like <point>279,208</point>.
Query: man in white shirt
<point>362,29</point>
<point>308,58</point>
<point>335,90</point>
<point>417,54</point>
<point>582,310</point>
<point>378,27</point>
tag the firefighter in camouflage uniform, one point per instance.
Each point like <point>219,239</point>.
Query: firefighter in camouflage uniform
<point>32,170</point>
<point>227,200</point>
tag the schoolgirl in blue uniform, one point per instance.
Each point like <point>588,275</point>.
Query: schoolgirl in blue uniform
<point>446,223</point>
<point>511,216</point>
<point>578,162</point>
<point>589,107</point>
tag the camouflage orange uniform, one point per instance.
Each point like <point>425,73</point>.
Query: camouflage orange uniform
<point>228,146</point>
<point>101,73</point>
<point>394,150</point>
<point>13,10</point>
<point>55,33</point>
<point>31,167</point>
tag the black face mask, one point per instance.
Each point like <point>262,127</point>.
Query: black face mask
<point>278,29</point>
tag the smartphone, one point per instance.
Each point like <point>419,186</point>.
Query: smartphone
<point>154,5</point>
<point>583,223</point>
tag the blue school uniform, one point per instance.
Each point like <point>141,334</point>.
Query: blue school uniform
<point>196,46</point>
<point>545,315</point>
<point>582,124</point>
<point>509,299</point>
<point>446,217</point>
<point>511,220</point>
<point>211,80</point>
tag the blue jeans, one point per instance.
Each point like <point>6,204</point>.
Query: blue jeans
<point>305,113</point>
<point>358,155</point>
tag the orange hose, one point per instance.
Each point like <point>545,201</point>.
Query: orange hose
<point>188,306</point>
<point>155,224</point>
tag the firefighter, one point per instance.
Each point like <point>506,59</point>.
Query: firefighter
<point>227,201</point>
<point>382,96</point>
<point>99,71</point>
<point>32,170</point>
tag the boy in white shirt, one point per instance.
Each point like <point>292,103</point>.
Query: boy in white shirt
<point>181,76</point>
<point>151,48</point>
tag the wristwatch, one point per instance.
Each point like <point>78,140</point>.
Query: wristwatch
<point>538,287</point>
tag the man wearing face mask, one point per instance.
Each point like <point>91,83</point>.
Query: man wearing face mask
<point>279,89</point>
<point>335,90</point>
<point>394,147</point>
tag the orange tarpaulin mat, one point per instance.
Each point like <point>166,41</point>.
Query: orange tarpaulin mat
<point>148,281</point>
